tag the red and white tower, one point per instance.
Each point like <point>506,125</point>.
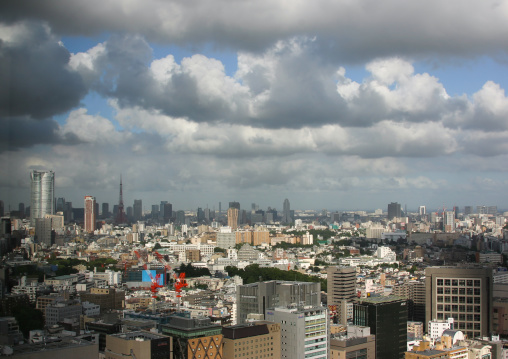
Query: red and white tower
<point>90,214</point>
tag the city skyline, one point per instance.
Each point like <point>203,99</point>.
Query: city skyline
<point>338,106</point>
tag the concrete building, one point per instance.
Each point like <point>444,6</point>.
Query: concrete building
<point>107,298</point>
<point>42,194</point>
<point>194,338</point>
<point>286,212</point>
<point>394,210</point>
<point>414,292</point>
<point>357,343</point>
<point>304,331</point>
<point>233,218</point>
<point>137,210</point>
<point>259,339</point>
<point>138,344</point>
<point>435,328</point>
<point>258,297</point>
<point>461,293</point>
<point>341,283</point>
<point>226,238</point>
<point>387,319</point>
<point>59,311</point>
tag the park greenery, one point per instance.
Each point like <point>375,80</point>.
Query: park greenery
<point>254,273</point>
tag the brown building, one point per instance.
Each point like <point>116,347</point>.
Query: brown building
<point>193,255</point>
<point>140,344</point>
<point>461,293</point>
<point>414,292</point>
<point>243,237</point>
<point>500,316</point>
<point>107,298</point>
<point>254,340</point>
<point>233,218</point>
<point>260,237</point>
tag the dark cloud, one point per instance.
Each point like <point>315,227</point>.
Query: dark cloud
<point>23,132</point>
<point>36,81</point>
<point>345,30</point>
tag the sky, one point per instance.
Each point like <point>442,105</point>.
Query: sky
<point>336,104</point>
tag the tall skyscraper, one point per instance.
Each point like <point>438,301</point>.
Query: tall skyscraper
<point>387,319</point>
<point>60,204</point>
<point>105,210</point>
<point>461,293</point>
<point>341,291</point>
<point>137,209</point>
<point>233,218</point>
<point>286,212</point>
<point>90,214</point>
<point>42,194</point>
<point>394,210</point>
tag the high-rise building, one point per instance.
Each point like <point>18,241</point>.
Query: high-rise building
<point>167,212</point>
<point>256,298</point>
<point>422,210</point>
<point>286,212</point>
<point>394,210</point>
<point>462,293</point>
<point>21,209</point>
<point>468,210</point>
<point>105,210</point>
<point>90,214</point>
<point>42,194</point>
<point>234,205</point>
<point>233,217</point>
<point>449,221</point>
<point>341,283</point>
<point>387,319</point>
<point>1,208</point>
<point>137,210</point>
<point>60,204</point>
<point>414,292</point>
<point>304,331</point>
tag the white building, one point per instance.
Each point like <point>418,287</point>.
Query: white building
<point>304,331</point>
<point>437,327</point>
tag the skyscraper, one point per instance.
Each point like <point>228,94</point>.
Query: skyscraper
<point>394,210</point>
<point>286,212</point>
<point>42,194</point>
<point>90,214</point>
<point>387,319</point>
<point>341,290</point>
<point>233,218</point>
<point>461,293</point>
<point>137,209</point>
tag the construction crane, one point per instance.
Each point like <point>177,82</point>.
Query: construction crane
<point>154,287</point>
<point>168,271</point>
<point>179,284</point>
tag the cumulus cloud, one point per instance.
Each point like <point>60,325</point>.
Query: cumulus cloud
<point>36,79</point>
<point>344,29</point>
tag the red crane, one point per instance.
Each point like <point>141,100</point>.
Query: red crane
<point>154,287</point>
<point>167,268</point>
<point>179,284</point>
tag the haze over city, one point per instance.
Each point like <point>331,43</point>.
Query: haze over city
<point>341,105</point>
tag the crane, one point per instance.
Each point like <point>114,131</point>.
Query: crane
<point>167,268</point>
<point>154,287</point>
<point>179,284</point>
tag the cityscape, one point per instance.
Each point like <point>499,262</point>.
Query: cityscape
<point>101,282</point>
<point>254,179</point>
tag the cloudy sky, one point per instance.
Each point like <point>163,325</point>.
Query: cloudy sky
<point>333,104</point>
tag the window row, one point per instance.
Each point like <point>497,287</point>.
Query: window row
<point>459,282</point>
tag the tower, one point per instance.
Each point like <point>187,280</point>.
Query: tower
<point>42,194</point>
<point>341,290</point>
<point>394,210</point>
<point>233,218</point>
<point>120,217</point>
<point>286,212</point>
<point>90,214</point>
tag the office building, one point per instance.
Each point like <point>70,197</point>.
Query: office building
<point>286,212</point>
<point>226,238</point>
<point>59,311</point>
<point>341,283</point>
<point>387,319</point>
<point>233,218</point>
<point>422,211</point>
<point>194,338</point>
<point>414,292</point>
<point>137,210</point>
<point>258,297</point>
<point>468,210</point>
<point>138,344</point>
<point>44,232</point>
<point>259,339</point>
<point>355,344</point>
<point>394,210</point>
<point>90,214</point>
<point>42,194</point>
<point>304,331</point>
<point>461,293</point>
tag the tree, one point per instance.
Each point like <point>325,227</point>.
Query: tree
<point>157,246</point>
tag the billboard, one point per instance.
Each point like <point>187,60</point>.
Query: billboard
<point>146,278</point>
